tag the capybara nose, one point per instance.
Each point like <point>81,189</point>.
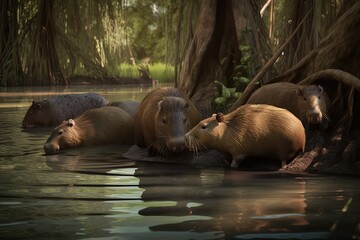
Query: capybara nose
<point>51,148</point>
<point>177,144</point>
<point>314,117</point>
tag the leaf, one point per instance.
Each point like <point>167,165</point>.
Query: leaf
<point>244,48</point>
<point>236,94</point>
<point>237,67</point>
<point>244,80</point>
<point>220,101</point>
<point>245,59</point>
<point>231,90</point>
<point>217,82</point>
<point>225,92</point>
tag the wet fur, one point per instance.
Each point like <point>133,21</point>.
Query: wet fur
<point>287,95</point>
<point>175,106</point>
<point>52,112</point>
<point>253,130</point>
<point>129,106</point>
<point>106,125</point>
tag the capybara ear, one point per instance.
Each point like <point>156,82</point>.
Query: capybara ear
<point>299,91</point>
<point>320,88</point>
<point>219,117</point>
<point>159,104</point>
<point>71,123</point>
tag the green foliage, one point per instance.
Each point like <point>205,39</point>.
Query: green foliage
<point>153,25</point>
<point>241,74</point>
<point>226,96</point>
<point>84,38</point>
<point>158,71</point>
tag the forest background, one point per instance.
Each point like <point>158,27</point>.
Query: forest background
<point>51,42</point>
<point>218,52</point>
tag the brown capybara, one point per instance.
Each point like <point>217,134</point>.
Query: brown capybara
<point>98,126</point>
<point>162,119</point>
<point>308,103</point>
<point>129,106</point>
<point>250,130</point>
<point>50,113</point>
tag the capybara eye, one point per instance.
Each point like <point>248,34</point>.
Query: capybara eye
<point>164,121</point>
<point>184,120</point>
<point>305,98</point>
<point>61,132</point>
<point>204,126</point>
<point>319,97</point>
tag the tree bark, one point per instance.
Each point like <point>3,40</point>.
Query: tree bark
<point>213,52</point>
<point>201,65</point>
<point>10,65</point>
<point>43,67</point>
<point>335,64</point>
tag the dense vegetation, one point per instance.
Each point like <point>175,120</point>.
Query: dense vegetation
<point>212,50</point>
<point>49,42</point>
<point>323,49</point>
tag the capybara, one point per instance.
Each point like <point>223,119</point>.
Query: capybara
<point>308,103</point>
<point>129,106</point>
<point>98,126</point>
<point>50,113</point>
<point>250,130</point>
<point>162,119</point>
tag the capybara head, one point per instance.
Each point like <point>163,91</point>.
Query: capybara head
<point>37,115</point>
<point>64,136</point>
<point>313,104</point>
<point>206,134</point>
<point>171,124</point>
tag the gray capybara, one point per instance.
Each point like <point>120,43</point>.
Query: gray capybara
<point>129,106</point>
<point>50,113</point>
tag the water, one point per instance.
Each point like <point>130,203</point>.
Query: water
<point>95,193</point>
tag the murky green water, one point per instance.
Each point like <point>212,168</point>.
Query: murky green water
<point>93,192</point>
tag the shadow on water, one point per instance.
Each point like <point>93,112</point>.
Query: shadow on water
<point>94,192</point>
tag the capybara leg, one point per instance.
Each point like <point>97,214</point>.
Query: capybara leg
<point>234,164</point>
<point>237,160</point>
<point>284,156</point>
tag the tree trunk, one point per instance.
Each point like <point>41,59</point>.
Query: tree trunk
<point>10,66</point>
<point>213,52</point>
<point>42,66</point>
<point>335,64</point>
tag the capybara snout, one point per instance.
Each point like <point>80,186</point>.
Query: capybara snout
<point>61,137</point>
<point>51,148</point>
<point>176,144</point>
<point>314,115</point>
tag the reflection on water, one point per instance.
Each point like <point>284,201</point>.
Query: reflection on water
<point>93,192</point>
